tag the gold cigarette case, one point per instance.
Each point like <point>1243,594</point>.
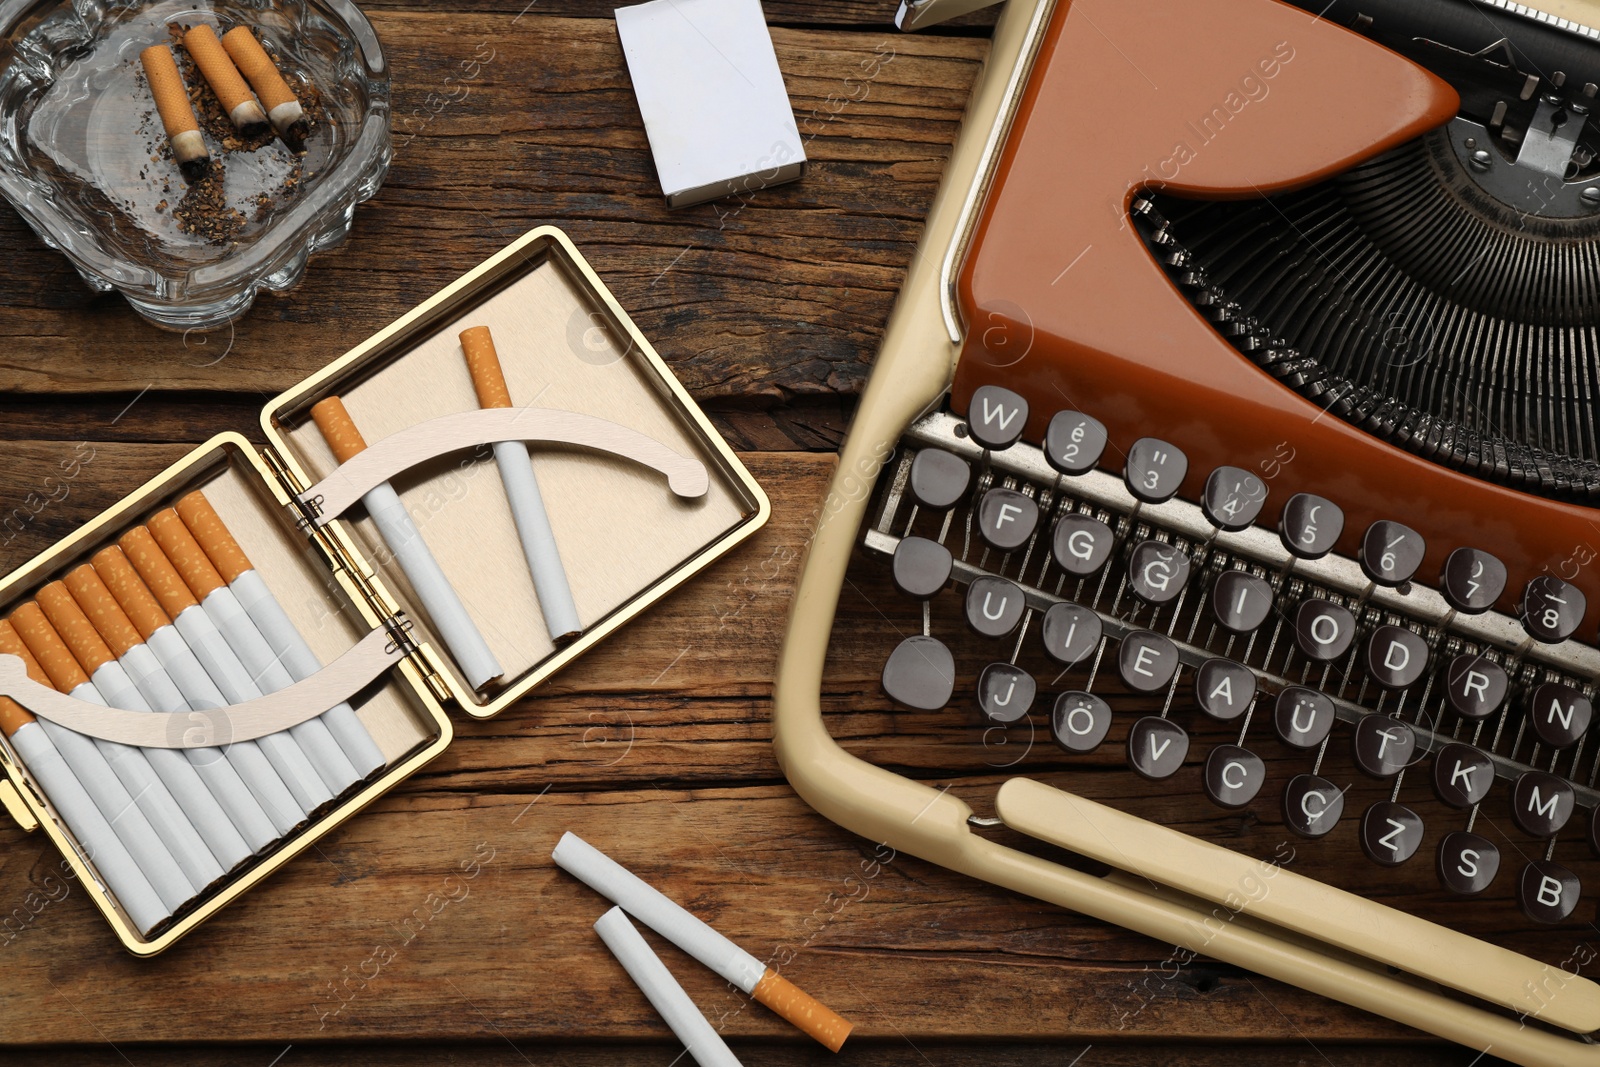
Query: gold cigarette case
<point>627,532</point>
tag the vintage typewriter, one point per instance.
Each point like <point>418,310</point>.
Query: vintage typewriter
<point>1226,492</point>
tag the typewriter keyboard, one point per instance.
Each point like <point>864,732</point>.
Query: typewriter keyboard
<point>1216,668</point>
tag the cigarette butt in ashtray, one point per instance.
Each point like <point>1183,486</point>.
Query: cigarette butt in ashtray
<point>177,116</point>
<point>283,107</point>
<point>225,80</point>
<point>461,635</point>
<point>672,921</point>
<point>522,492</point>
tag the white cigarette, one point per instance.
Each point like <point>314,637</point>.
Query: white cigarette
<point>286,756</point>
<point>522,492</point>
<point>95,835</point>
<point>275,625</point>
<point>200,693</point>
<point>186,555</point>
<point>140,666</point>
<point>171,823</point>
<point>438,596</point>
<point>663,991</point>
<point>183,779</point>
<point>92,761</point>
<point>177,665</point>
<point>653,908</point>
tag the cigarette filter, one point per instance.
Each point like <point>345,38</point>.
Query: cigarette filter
<point>253,62</point>
<point>653,908</point>
<point>132,765</point>
<point>663,991</point>
<point>111,682</point>
<point>522,491</point>
<point>274,623</point>
<point>200,633</point>
<point>224,79</point>
<point>73,803</point>
<point>152,685</point>
<point>394,524</point>
<point>177,116</point>
<point>110,796</point>
<point>223,608</point>
<point>199,692</point>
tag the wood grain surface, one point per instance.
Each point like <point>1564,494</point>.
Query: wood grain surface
<point>374,948</point>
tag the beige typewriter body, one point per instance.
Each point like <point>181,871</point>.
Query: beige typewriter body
<point>1336,950</point>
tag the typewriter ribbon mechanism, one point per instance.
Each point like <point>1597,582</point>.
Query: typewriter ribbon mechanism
<point>1240,103</point>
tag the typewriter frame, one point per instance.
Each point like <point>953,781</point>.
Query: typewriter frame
<point>914,370</point>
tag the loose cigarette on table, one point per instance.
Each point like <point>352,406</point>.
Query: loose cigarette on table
<point>461,635</point>
<point>200,633</point>
<point>269,675</point>
<point>177,115</point>
<point>110,682</point>
<point>225,80</point>
<point>685,1020</point>
<point>200,693</point>
<point>155,688</point>
<point>96,836</point>
<point>522,491</point>
<point>131,765</point>
<point>283,108</point>
<point>110,795</point>
<point>263,608</point>
<point>653,908</point>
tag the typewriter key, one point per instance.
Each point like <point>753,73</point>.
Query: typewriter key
<point>1081,545</point>
<point>1396,657</point>
<point>921,567</point>
<point>994,606</point>
<point>1390,833</point>
<point>1384,746</point>
<point>1541,803</point>
<point>997,417</point>
<point>1547,891</point>
<point>1006,518</point>
<point>1323,630</point>
<point>920,674</point>
<point>938,479</point>
<point>1223,689</point>
<point>1475,686</point>
<point>1147,661</point>
<point>1005,692</point>
<point>1467,862</point>
<point>1551,608</point>
<point>1155,470</point>
<point>1302,717</point>
<point>1391,552</point>
<point>1157,747</point>
<point>1233,776</point>
<point>1080,722</point>
<point>1071,632</point>
<point>1157,571</point>
<point>1073,442</point>
<point>1233,498</point>
<point>1241,602</point>
<point>1560,714</point>
<point>1472,580</point>
<point>1462,775</point>
<point>1310,525</point>
<point>1312,805</point>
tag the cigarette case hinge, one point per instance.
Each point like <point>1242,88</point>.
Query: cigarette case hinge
<point>12,800</point>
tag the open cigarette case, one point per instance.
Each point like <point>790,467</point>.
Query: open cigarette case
<point>640,490</point>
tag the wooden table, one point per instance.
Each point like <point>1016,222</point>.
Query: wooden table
<point>657,746</point>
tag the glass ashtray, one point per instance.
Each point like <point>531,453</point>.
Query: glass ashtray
<point>84,158</point>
